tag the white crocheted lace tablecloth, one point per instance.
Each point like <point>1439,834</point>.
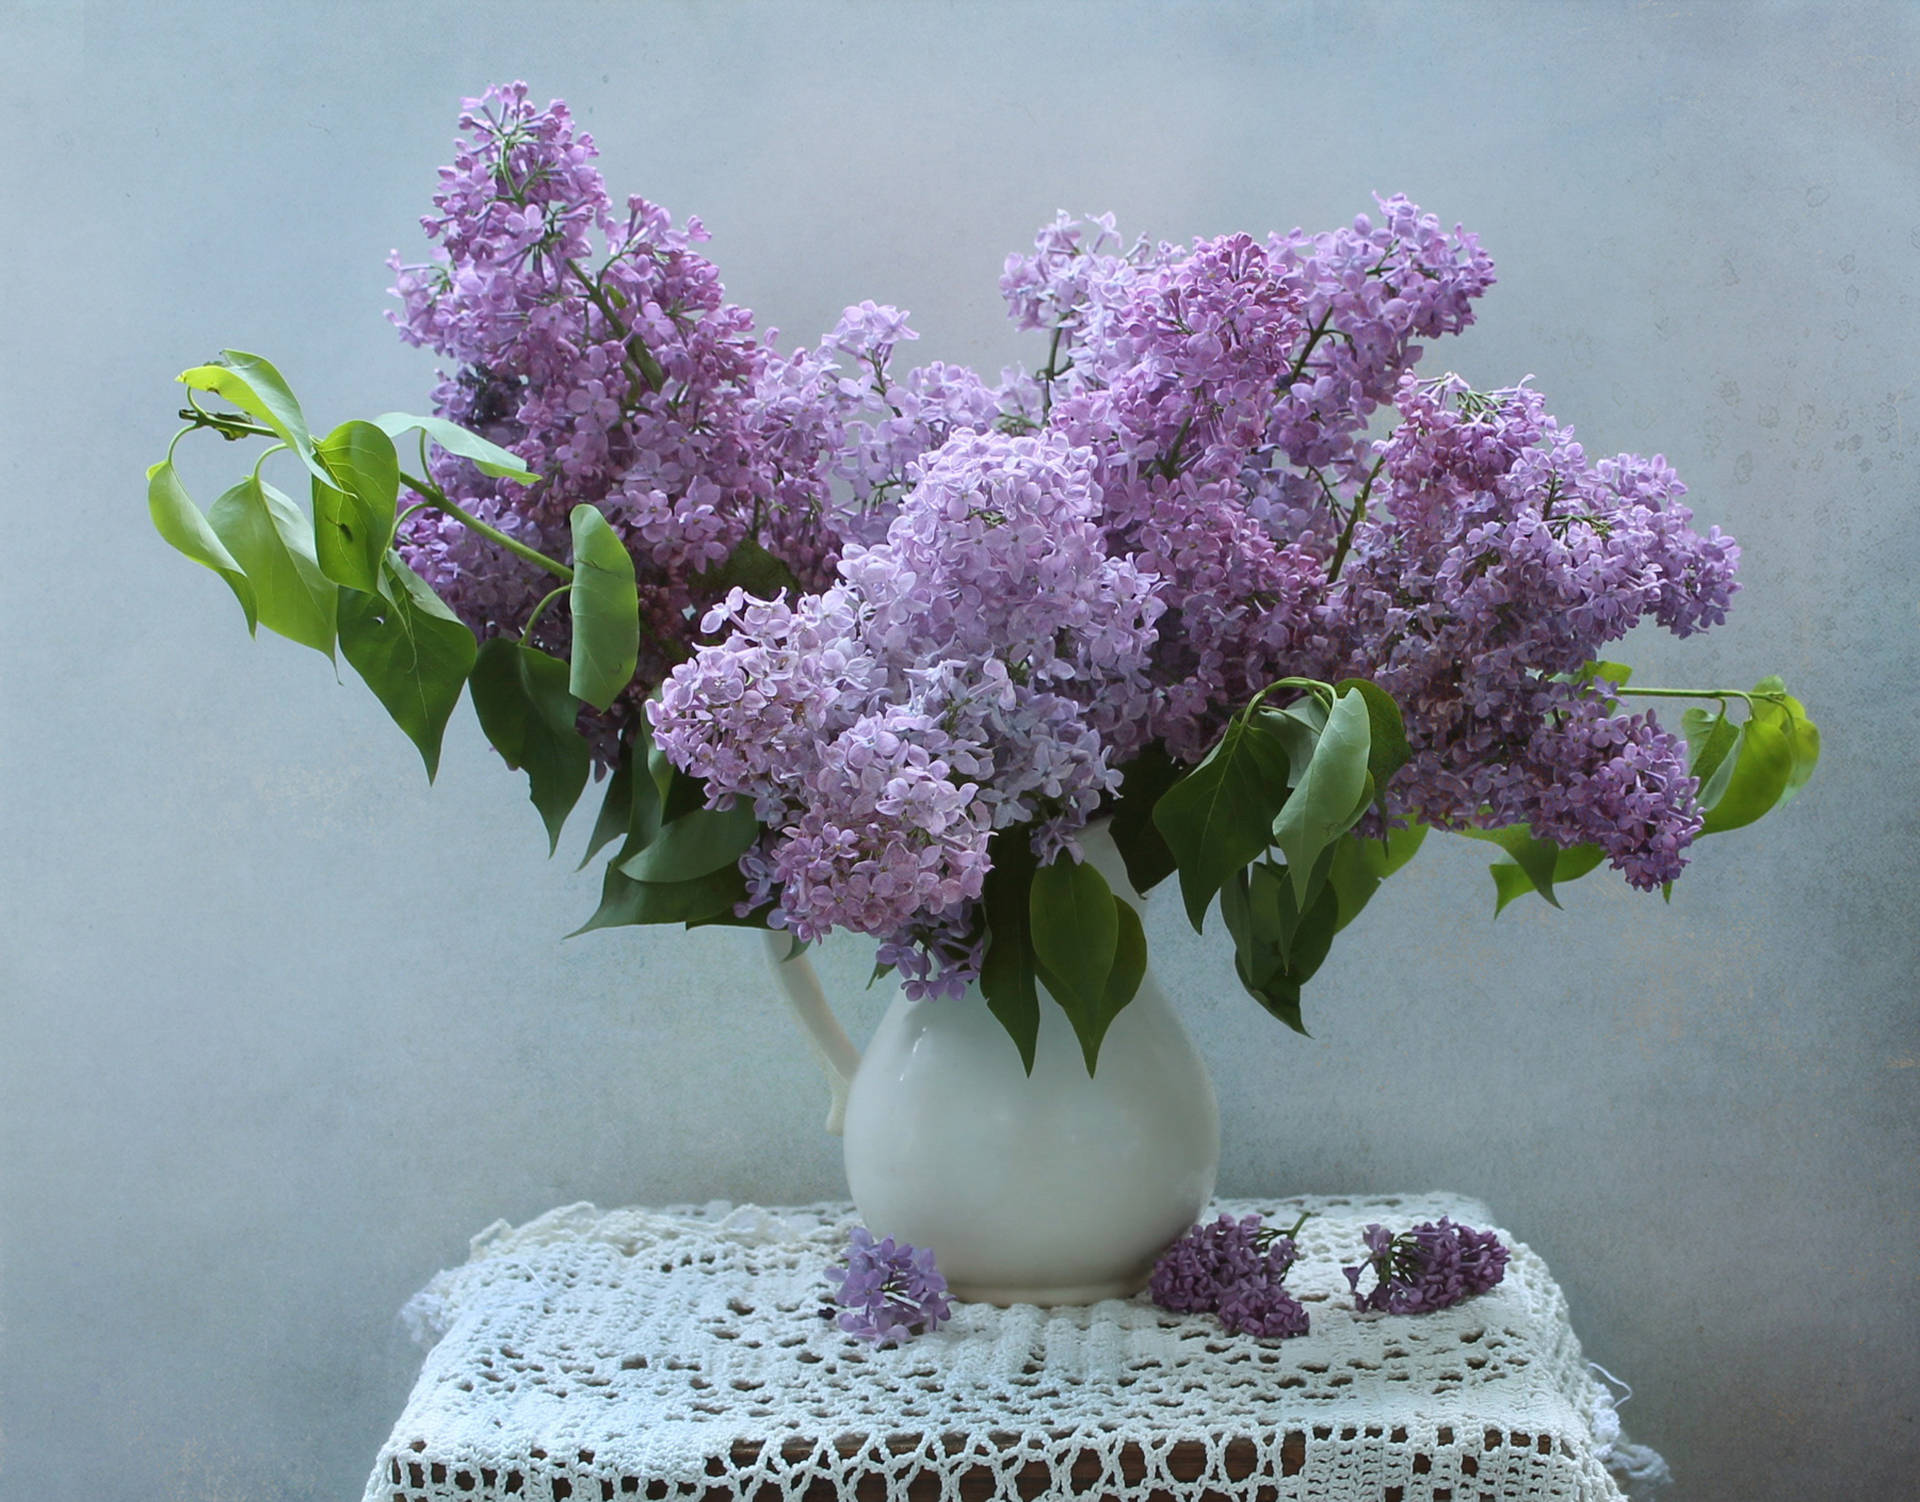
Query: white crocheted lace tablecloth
<point>602,1355</point>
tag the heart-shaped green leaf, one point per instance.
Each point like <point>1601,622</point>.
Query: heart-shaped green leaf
<point>1075,925</point>
<point>1143,781</point>
<point>704,899</point>
<point>1762,766</point>
<point>257,389</point>
<point>697,843</point>
<point>1387,748</point>
<point>1330,792</point>
<point>606,610</point>
<point>1360,865</point>
<point>179,521</point>
<point>521,697</point>
<point>269,536</point>
<point>413,652</point>
<point>1007,972</point>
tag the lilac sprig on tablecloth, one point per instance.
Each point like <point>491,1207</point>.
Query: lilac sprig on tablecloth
<point>888,1291</point>
<point>1434,1265</point>
<point>1236,1269</point>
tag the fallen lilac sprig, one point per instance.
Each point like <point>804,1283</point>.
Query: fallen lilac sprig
<point>1433,1266</point>
<point>1237,1270</point>
<point>888,1290</point>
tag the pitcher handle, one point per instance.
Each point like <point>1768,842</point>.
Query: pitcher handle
<point>829,1041</point>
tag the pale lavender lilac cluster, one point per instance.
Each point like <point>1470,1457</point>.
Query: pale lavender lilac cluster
<point>888,1291</point>
<point>1236,1269</point>
<point>1004,592</point>
<point>1432,1266</point>
<point>972,671</point>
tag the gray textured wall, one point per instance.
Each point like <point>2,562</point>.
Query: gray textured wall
<point>282,1026</point>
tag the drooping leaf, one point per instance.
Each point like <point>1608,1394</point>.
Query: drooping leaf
<point>750,567</point>
<point>489,458</point>
<point>413,652</point>
<point>269,537</point>
<point>1219,816</point>
<point>1076,936</point>
<point>1534,864</point>
<point>1789,715</point>
<point>1123,981</point>
<point>606,610</point>
<point>521,697</point>
<point>1361,864</point>
<point>616,807</point>
<point>1387,748</point>
<point>1277,947</point>
<point>179,521</point>
<point>698,842</point>
<point>704,899</point>
<point>257,389</point>
<point>1510,880</point>
<point>353,517</point>
<point>1330,793</point>
<point>1713,741</point>
<point>1007,971</point>
<point>1143,781</point>
<point>1762,766</point>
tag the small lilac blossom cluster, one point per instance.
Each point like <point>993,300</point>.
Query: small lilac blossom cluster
<point>1237,1270</point>
<point>888,1291</point>
<point>1432,1266</point>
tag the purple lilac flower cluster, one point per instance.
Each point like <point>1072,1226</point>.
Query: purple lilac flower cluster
<point>972,671</point>
<point>998,595</point>
<point>1432,1266</point>
<point>1235,1269</point>
<point>887,1291</point>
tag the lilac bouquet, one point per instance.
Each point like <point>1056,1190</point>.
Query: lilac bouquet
<point>863,646</point>
<point>1431,1266</point>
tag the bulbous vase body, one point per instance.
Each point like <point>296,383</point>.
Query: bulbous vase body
<point>1051,1189</point>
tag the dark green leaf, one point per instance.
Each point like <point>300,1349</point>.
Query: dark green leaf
<point>1143,781</point>
<point>698,842</point>
<point>521,697</point>
<point>412,651</point>
<point>1278,947</point>
<point>1361,864</point>
<point>616,807</point>
<point>1076,933</point>
<point>353,517</point>
<point>1220,815</point>
<point>179,521</point>
<point>490,458</point>
<point>1330,792</point>
<point>1123,981</point>
<point>1007,972</point>
<point>750,567</point>
<point>705,899</point>
<point>257,389</point>
<point>269,537</point>
<point>1387,748</point>
<point>606,610</point>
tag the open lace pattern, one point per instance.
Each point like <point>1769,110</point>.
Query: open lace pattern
<point>603,1355</point>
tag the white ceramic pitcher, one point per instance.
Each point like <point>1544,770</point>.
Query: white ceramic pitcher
<point>1053,1188</point>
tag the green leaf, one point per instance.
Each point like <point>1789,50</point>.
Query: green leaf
<point>1608,674</point>
<point>1387,748</point>
<point>1762,767</point>
<point>179,521</point>
<point>705,899</point>
<point>353,517</point>
<point>1278,948</point>
<point>1143,781</point>
<point>1331,791</point>
<point>1713,743</point>
<point>616,807</point>
<point>750,567</point>
<point>269,537</point>
<point>1361,864</point>
<point>1220,815</point>
<point>257,389</point>
<point>1007,971</point>
<point>1511,880</point>
<point>1076,936</point>
<point>697,843</point>
<point>413,652</point>
<point>520,695</point>
<point>606,610</point>
<point>1789,716</point>
<point>489,458</point>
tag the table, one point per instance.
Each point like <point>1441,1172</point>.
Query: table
<point>602,1355</point>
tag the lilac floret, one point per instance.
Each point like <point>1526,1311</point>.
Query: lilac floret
<point>1435,1265</point>
<point>888,1291</point>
